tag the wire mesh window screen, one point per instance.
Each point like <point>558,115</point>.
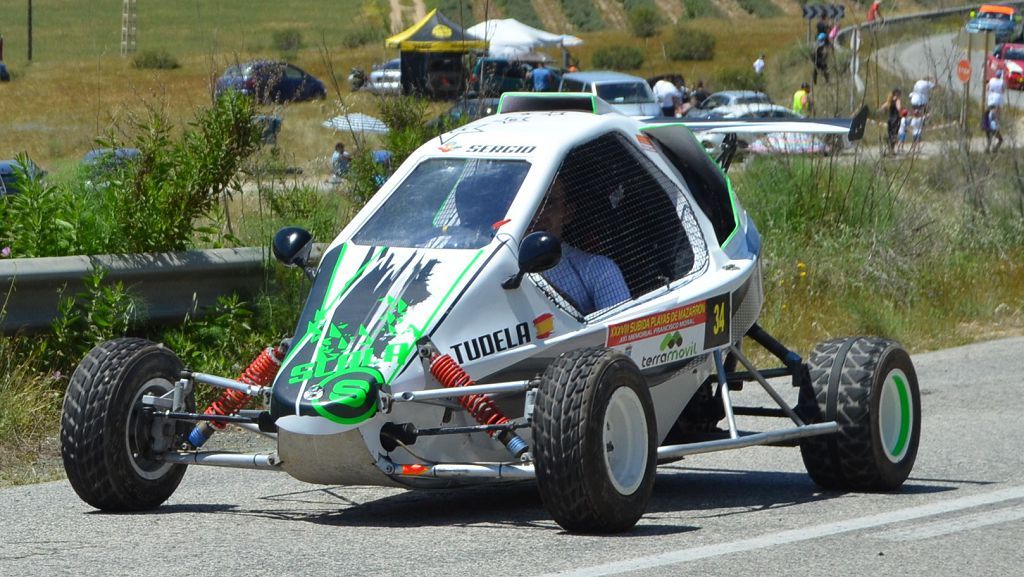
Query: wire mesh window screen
<point>626,228</point>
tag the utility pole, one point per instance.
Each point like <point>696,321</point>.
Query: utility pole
<point>128,29</point>
<point>30,30</point>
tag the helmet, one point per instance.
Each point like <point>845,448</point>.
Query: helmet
<point>821,35</point>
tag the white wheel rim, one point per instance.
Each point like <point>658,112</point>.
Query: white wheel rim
<point>153,386</point>
<point>624,441</point>
<point>895,415</point>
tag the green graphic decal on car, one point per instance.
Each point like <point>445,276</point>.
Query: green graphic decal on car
<point>360,329</point>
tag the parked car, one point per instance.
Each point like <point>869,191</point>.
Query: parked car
<point>712,142</point>
<point>1010,59</point>
<point>496,76</point>
<point>465,110</point>
<point>385,78</point>
<point>728,98</point>
<point>271,81</point>
<point>1003,21</point>
<point>5,76</point>
<point>99,164</point>
<point>630,95</point>
<point>11,173</point>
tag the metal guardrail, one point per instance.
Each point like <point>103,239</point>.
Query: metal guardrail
<point>170,285</point>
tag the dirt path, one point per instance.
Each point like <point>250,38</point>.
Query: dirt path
<point>419,10</point>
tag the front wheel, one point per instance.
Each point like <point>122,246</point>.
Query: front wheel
<point>868,386</point>
<point>594,441</point>
<point>110,442</point>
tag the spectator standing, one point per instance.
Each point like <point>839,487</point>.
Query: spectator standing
<point>340,160</point>
<point>994,90</point>
<point>759,65</point>
<point>802,104</point>
<point>668,96</point>
<point>700,92</point>
<point>916,130</point>
<point>901,134</point>
<point>875,12</point>
<point>893,107</point>
<point>990,124</point>
<point>921,94</point>
<point>820,58</point>
<point>822,28</point>
<point>542,78</point>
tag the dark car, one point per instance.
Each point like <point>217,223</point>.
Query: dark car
<point>12,172</point>
<point>464,111</point>
<point>271,81</point>
<point>99,164</point>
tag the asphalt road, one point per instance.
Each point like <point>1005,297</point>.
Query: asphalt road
<point>746,512</point>
<point>938,56</point>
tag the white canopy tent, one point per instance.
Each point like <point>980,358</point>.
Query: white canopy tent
<point>510,38</point>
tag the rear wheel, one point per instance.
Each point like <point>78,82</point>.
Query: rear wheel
<point>110,442</point>
<point>868,386</point>
<point>594,441</point>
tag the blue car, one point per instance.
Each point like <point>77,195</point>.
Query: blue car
<point>11,173</point>
<point>271,81</point>
<point>1002,21</point>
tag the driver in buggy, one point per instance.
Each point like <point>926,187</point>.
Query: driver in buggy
<point>590,282</point>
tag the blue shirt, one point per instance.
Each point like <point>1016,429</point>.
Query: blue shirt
<point>541,79</point>
<point>591,282</point>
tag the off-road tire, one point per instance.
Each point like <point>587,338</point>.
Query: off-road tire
<point>858,382</point>
<point>106,438</point>
<point>575,479</point>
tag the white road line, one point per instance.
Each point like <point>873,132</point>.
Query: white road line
<point>796,535</point>
<point>962,523</point>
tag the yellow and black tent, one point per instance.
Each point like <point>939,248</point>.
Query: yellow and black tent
<point>432,56</point>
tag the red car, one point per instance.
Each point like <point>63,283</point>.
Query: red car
<point>1010,59</point>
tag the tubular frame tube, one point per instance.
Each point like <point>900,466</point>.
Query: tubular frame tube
<point>767,438</point>
<point>767,387</point>
<point>723,387</point>
<point>260,461</point>
<point>454,392</point>
<point>223,383</point>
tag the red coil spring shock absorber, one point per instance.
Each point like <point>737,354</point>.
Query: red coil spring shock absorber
<point>260,372</point>
<point>450,374</point>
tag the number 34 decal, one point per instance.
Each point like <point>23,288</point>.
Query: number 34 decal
<point>717,328</point>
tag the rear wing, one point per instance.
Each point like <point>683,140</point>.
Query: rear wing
<point>852,128</point>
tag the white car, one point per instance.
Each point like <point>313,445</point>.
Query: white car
<point>630,95</point>
<point>385,78</point>
<point>557,294</point>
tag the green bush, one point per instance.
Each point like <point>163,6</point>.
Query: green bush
<point>736,78</point>
<point>583,15</point>
<point>287,40</point>
<point>760,8</point>
<point>155,60</point>
<point>688,43</point>
<point>618,57</point>
<point>701,9</point>
<point>159,202</point>
<point>644,20</point>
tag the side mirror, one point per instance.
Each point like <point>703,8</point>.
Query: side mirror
<point>538,252</point>
<point>292,246</point>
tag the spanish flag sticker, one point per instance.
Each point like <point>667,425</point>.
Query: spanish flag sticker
<point>544,325</point>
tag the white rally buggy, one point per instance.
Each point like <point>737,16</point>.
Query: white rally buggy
<point>557,292</point>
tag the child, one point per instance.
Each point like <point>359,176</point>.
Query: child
<point>916,127</point>
<point>901,134</point>
<point>990,124</point>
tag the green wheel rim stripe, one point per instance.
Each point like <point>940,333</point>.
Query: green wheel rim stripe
<point>905,416</point>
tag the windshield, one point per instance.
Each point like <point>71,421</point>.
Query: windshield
<point>1015,54</point>
<point>446,203</point>
<point>625,93</point>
